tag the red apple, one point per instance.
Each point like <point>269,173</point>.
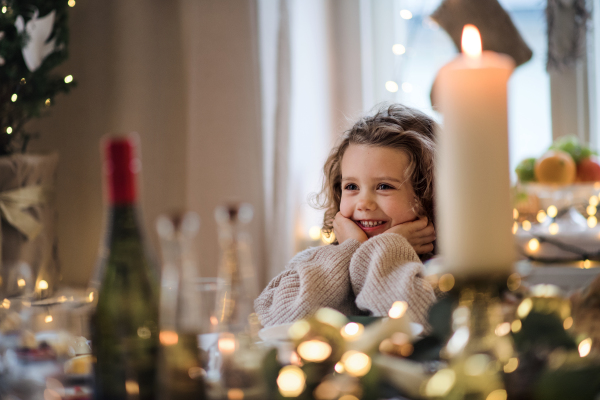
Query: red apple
<point>588,171</point>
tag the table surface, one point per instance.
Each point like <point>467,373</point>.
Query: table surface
<point>567,276</point>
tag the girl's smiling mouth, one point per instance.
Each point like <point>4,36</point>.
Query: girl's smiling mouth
<point>369,225</point>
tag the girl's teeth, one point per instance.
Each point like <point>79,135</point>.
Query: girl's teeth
<point>370,224</point>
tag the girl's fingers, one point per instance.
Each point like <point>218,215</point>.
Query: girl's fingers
<point>424,249</point>
<point>416,225</point>
<point>423,240</point>
<point>428,231</point>
<point>421,223</point>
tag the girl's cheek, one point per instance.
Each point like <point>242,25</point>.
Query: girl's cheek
<point>346,209</point>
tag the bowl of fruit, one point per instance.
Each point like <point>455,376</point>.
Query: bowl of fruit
<point>555,203</point>
<point>566,162</point>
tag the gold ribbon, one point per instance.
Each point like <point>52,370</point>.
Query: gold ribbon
<point>13,208</point>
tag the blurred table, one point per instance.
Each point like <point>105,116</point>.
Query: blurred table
<point>569,276</point>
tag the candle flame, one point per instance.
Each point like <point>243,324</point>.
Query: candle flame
<point>471,41</point>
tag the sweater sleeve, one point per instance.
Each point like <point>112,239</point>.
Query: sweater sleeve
<point>314,278</point>
<point>386,269</point>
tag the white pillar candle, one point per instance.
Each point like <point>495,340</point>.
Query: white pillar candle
<point>473,185</point>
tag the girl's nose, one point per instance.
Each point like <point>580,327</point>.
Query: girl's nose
<point>365,203</point>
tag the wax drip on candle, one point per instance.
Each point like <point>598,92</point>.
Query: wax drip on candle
<point>471,41</point>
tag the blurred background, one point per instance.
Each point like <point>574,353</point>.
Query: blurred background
<point>243,99</point>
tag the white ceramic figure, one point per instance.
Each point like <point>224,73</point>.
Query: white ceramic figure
<point>38,29</point>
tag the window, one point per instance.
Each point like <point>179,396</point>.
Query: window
<point>409,49</point>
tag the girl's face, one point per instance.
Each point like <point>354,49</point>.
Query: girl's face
<point>376,195</point>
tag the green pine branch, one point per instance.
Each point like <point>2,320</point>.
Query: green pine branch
<point>35,91</point>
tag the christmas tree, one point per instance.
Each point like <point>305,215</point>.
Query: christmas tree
<point>33,41</point>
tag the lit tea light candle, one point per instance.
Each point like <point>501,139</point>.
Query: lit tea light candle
<point>475,214</point>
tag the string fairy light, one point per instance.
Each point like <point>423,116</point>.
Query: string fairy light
<point>314,232</point>
<point>514,281</point>
<point>503,329</point>
<point>226,343</point>
<point>585,347</point>
<point>541,216</point>
<point>391,86</point>
<point>405,14</point>
<point>440,383</point>
<point>524,308</point>
<point>235,394</point>
<point>314,350</point>
<point>446,282</point>
<point>327,239</point>
<point>516,326</point>
<point>398,49</point>
<point>398,309</point>
<point>591,210</point>
<point>299,329</point>
<point>499,394</point>
<point>357,364</point>
<point>291,381</point>
<point>68,78</point>
<point>168,338</point>
<point>352,331</point>
<point>132,387</point>
<point>568,323</point>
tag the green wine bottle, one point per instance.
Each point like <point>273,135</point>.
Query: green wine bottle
<point>125,324</point>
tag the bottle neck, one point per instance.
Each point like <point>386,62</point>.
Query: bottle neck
<point>121,168</point>
<point>121,222</point>
<point>122,215</point>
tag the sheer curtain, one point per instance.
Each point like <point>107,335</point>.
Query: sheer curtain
<point>312,90</point>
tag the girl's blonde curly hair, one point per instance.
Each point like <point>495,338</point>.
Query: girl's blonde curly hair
<point>394,126</point>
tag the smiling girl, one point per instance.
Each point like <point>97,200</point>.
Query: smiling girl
<point>378,200</point>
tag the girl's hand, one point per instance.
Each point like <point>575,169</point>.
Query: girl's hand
<point>419,233</point>
<point>344,229</point>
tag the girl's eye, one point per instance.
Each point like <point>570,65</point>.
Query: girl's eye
<point>383,186</point>
<point>351,186</point>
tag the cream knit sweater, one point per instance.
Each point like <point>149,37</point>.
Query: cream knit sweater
<point>353,278</point>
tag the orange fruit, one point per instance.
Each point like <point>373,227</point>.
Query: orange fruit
<point>555,167</point>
